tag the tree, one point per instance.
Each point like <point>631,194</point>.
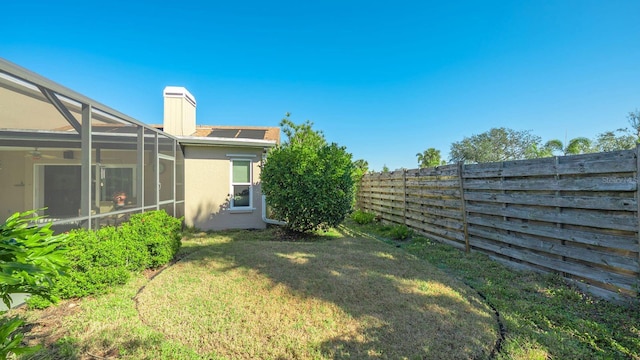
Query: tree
<point>30,257</point>
<point>429,158</point>
<point>620,139</point>
<point>536,151</point>
<point>385,168</point>
<point>308,182</point>
<point>497,144</point>
<point>634,121</point>
<point>360,168</point>
<point>579,145</point>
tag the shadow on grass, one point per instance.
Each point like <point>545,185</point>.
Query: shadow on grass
<point>407,308</point>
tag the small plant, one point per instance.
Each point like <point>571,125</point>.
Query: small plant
<point>363,217</point>
<point>29,257</point>
<point>400,232</point>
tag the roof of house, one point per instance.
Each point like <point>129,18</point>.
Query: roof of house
<point>239,132</point>
<point>243,136</point>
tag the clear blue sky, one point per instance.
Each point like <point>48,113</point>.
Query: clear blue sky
<point>385,79</point>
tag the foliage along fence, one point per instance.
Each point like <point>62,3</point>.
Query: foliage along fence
<point>573,215</point>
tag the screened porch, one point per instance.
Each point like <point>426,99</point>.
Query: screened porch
<point>80,163</point>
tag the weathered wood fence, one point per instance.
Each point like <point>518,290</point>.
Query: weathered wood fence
<point>573,215</point>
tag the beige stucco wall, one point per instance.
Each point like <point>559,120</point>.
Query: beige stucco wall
<point>14,183</point>
<point>207,189</point>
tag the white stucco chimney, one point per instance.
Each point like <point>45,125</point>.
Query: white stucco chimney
<point>179,111</point>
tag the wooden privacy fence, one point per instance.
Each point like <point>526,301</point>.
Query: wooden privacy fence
<point>573,215</point>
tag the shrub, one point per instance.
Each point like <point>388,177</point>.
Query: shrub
<point>308,183</point>
<point>400,232</point>
<point>158,231</point>
<point>106,257</point>
<point>97,260</point>
<point>363,217</point>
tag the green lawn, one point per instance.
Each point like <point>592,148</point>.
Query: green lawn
<point>544,317</point>
<point>246,295</point>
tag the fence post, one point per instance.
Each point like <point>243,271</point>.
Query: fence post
<point>638,213</point>
<point>464,207</point>
<point>404,192</point>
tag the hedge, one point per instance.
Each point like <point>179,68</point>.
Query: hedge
<point>100,259</point>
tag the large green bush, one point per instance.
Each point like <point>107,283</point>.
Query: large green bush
<point>308,183</point>
<point>158,232</point>
<point>97,261</point>
<point>106,257</point>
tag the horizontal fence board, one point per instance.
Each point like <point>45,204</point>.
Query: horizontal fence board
<point>550,169</point>
<point>551,184</point>
<point>441,193</point>
<point>436,202</point>
<point>449,170</point>
<point>414,194</point>
<point>387,190</point>
<point>452,214</point>
<point>443,223</point>
<point>554,265</point>
<point>439,184</point>
<point>392,218</point>
<point>576,215</point>
<point>593,157</point>
<point>450,234</point>
<point>627,263</point>
<point>391,197</point>
<point>586,218</point>
<point>597,291</point>
<point>579,202</point>
<point>617,242</point>
<point>386,210</point>
<point>446,240</point>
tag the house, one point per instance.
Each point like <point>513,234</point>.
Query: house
<point>221,164</point>
<point>84,164</point>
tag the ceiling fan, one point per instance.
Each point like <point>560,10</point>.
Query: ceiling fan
<point>37,155</point>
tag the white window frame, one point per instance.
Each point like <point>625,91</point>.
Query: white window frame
<point>232,184</point>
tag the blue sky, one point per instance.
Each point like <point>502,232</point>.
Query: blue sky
<point>385,79</point>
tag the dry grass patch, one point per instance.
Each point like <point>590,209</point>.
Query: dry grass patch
<point>101,327</point>
<point>236,297</point>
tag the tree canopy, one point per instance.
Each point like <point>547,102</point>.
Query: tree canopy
<point>575,146</point>
<point>308,182</point>
<point>429,158</point>
<point>497,144</point>
<point>620,139</point>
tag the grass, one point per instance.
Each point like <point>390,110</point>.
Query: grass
<point>246,295</point>
<point>544,317</point>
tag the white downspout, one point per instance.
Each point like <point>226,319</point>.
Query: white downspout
<point>264,214</point>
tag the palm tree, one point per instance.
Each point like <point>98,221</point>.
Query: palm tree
<point>429,158</point>
<point>579,145</point>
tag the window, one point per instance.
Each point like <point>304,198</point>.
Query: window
<point>241,190</point>
<point>117,182</point>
